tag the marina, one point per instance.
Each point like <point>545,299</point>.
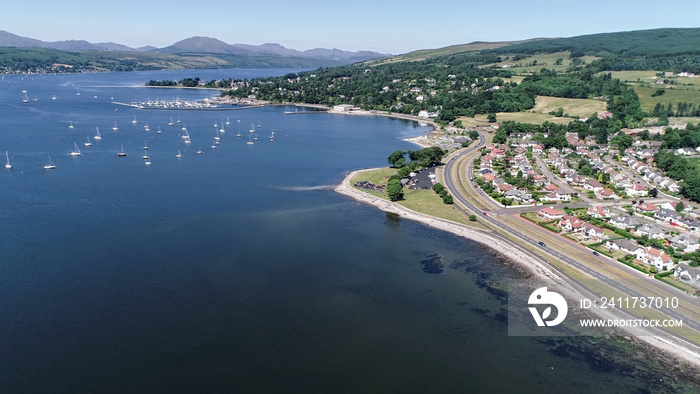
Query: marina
<point>185,105</point>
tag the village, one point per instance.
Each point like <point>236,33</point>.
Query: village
<point>616,203</point>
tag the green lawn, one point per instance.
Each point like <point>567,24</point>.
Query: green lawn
<point>423,201</point>
<point>545,60</point>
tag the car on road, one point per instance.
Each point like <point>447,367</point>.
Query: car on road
<point>542,244</point>
<point>484,213</point>
<point>596,254</point>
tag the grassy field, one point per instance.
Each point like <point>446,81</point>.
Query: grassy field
<point>543,105</point>
<point>575,107</point>
<point>633,76</point>
<point>423,201</point>
<point>674,95</point>
<point>546,60</point>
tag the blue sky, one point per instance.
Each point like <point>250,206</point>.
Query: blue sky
<point>384,26</point>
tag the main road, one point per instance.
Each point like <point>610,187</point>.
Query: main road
<point>604,271</point>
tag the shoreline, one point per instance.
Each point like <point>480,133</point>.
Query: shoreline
<point>671,347</point>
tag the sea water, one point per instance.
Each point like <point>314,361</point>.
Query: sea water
<point>239,269</point>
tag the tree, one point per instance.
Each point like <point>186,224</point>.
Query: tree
<point>437,187</point>
<point>472,218</point>
<point>447,199</point>
<point>394,190</point>
<point>395,157</point>
<point>491,117</point>
<point>680,206</point>
<point>474,135</point>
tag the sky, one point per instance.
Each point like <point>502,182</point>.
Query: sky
<point>388,26</point>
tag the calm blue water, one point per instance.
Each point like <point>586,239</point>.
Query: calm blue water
<point>238,270</point>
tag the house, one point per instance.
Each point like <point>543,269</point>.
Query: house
<point>623,245</point>
<point>668,215</point>
<point>570,223</point>
<point>684,242</point>
<point>656,257</point>
<point>598,211</point>
<point>549,197</point>
<point>650,230</point>
<point>606,194</point>
<point>551,187</point>
<point>550,213</point>
<point>623,222</point>
<point>687,274</point>
<point>646,207</point>
<point>593,232</point>
<point>343,108</point>
<point>637,190</point>
<point>592,184</point>
<point>519,195</point>
<point>685,151</point>
<point>671,205</point>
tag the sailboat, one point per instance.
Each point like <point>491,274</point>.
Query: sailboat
<point>228,120</point>
<point>171,122</point>
<point>272,137</point>
<point>200,151</point>
<point>159,130</point>
<point>186,136</point>
<point>25,99</point>
<point>78,93</point>
<point>97,136</point>
<point>145,147</point>
<point>250,141</point>
<point>115,128</point>
<point>122,153</point>
<point>87,143</point>
<point>134,121</point>
<point>222,130</point>
<point>145,156</point>
<point>255,137</point>
<point>179,155</point>
<point>178,119</point>
<point>76,151</point>
<point>217,136</point>
<point>252,128</point>
<point>146,127</point>
<point>50,166</point>
<point>259,125</point>
<point>8,165</point>
<point>71,125</point>
<point>53,97</point>
<point>239,134</point>
<point>214,145</point>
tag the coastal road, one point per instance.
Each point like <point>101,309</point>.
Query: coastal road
<point>599,268</point>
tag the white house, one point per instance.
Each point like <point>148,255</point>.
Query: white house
<point>656,257</point>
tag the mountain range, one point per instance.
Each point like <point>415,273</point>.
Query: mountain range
<point>194,46</point>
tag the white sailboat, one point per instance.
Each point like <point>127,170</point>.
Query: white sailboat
<point>159,130</point>
<point>214,145</point>
<point>71,125</point>
<point>252,128</point>
<point>179,155</point>
<point>8,165</point>
<point>200,151</point>
<point>228,120</point>
<point>97,136</point>
<point>217,136</point>
<point>87,143</point>
<point>115,128</point>
<point>178,119</point>
<point>250,140</point>
<point>222,129</point>
<point>171,122</point>
<point>53,97</point>
<point>76,151</point>
<point>146,127</point>
<point>50,166</point>
<point>134,121</point>
<point>121,153</point>
<point>145,146</point>
<point>25,99</point>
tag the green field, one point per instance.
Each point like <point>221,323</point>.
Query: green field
<point>544,60</point>
<point>674,95</point>
<point>544,105</point>
<point>423,201</point>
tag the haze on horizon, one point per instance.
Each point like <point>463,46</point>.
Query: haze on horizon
<point>388,27</point>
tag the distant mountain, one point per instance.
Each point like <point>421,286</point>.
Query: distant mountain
<point>210,45</point>
<point>194,45</point>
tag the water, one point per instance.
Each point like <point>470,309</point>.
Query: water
<point>239,269</point>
